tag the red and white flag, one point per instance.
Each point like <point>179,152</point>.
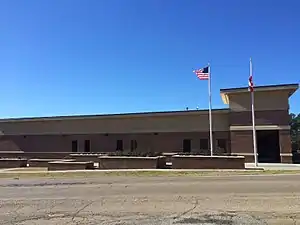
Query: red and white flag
<point>250,83</point>
<point>250,80</point>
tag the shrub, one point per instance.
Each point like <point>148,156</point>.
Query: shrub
<point>135,154</point>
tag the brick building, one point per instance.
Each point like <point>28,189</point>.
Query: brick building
<point>175,131</point>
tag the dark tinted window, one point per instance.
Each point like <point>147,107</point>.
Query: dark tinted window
<point>87,146</point>
<point>204,144</point>
<point>74,146</point>
<point>119,145</point>
<point>222,145</point>
<point>133,145</point>
<point>186,145</point>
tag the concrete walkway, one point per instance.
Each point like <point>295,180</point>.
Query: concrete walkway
<point>274,166</point>
<point>249,166</point>
<point>43,170</point>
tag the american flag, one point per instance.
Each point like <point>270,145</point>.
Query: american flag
<point>202,74</point>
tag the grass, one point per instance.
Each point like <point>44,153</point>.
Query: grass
<point>95,174</point>
<point>29,169</point>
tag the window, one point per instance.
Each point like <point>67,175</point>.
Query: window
<point>222,145</point>
<point>119,145</point>
<point>186,145</point>
<point>204,144</point>
<point>133,145</point>
<point>87,146</point>
<point>74,146</point>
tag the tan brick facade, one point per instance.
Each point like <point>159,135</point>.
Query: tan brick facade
<point>158,131</point>
<point>241,142</point>
<point>148,142</point>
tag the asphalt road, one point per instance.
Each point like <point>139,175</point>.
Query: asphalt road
<point>152,200</point>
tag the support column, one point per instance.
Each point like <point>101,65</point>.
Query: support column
<point>285,146</point>
<point>242,144</point>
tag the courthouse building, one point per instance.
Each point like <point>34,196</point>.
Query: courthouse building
<point>173,131</point>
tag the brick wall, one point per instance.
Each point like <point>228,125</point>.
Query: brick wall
<point>116,162</point>
<point>241,142</point>
<point>208,162</point>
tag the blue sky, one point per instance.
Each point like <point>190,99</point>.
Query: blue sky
<point>64,57</point>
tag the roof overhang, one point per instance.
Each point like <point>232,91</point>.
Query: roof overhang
<point>291,88</point>
<point>114,116</point>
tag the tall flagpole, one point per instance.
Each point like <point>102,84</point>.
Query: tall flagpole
<point>210,116</point>
<point>253,118</point>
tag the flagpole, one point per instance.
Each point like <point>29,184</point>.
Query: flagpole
<point>210,116</point>
<point>253,119</point>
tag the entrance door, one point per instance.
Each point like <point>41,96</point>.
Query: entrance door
<point>268,148</point>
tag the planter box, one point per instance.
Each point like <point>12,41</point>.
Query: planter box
<point>161,162</point>
<point>40,162</point>
<point>69,165</point>
<point>46,155</point>
<point>207,162</point>
<point>86,157</point>
<point>169,155</point>
<point>13,163</point>
<point>127,162</point>
<point>11,154</point>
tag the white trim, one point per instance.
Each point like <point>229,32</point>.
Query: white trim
<point>251,154</point>
<point>260,127</point>
<point>286,154</point>
<point>242,154</point>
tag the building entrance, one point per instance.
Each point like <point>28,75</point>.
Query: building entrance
<point>268,147</point>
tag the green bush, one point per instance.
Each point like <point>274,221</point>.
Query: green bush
<point>135,154</point>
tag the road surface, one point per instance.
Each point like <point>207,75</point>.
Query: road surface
<point>151,200</point>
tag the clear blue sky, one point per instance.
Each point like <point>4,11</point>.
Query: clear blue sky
<point>64,57</point>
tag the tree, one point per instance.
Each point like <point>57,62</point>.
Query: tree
<point>295,131</point>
